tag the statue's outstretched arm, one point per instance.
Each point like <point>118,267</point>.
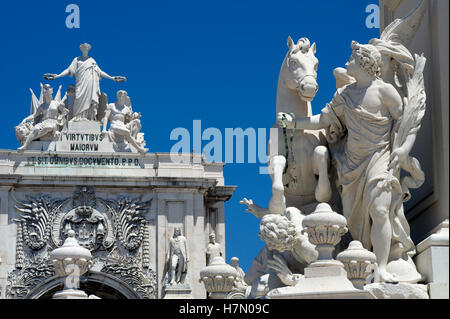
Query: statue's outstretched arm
<point>315,122</point>
<point>254,209</point>
<point>51,77</point>
<point>114,78</point>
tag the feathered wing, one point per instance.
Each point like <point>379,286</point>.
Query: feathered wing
<point>58,95</point>
<point>403,30</point>
<point>34,103</point>
<point>410,123</point>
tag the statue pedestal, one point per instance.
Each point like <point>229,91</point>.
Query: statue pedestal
<point>177,292</point>
<point>82,136</point>
<point>321,283</point>
<point>432,261</point>
<point>397,291</point>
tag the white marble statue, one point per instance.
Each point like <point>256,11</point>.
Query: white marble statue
<point>374,132</point>
<point>125,125</point>
<point>48,117</point>
<point>87,89</point>
<point>306,175</point>
<point>177,258</point>
<point>239,283</point>
<point>213,249</point>
<point>281,229</point>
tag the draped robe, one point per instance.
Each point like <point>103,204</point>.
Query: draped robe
<point>87,88</point>
<point>362,161</point>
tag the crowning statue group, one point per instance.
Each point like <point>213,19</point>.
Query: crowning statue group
<point>370,127</point>
<point>49,117</point>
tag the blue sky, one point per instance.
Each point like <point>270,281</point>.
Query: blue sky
<point>214,61</point>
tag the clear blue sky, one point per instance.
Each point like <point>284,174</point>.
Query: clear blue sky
<point>214,61</point>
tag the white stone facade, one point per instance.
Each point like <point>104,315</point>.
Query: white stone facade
<point>188,195</point>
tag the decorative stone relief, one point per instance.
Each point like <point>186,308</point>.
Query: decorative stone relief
<point>115,231</point>
<point>142,282</point>
<point>36,218</point>
<point>130,218</point>
<point>22,281</point>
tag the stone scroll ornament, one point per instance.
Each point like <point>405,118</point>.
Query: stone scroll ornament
<point>371,126</point>
<point>36,217</point>
<point>130,219</point>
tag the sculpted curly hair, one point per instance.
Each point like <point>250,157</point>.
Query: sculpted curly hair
<point>369,58</point>
<point>278,232</point>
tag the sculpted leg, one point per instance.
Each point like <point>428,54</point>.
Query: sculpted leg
<point>35,134</point>
<point>133,142</point>
<point>321,162</point>
<point>173,267</point>
<point>180,268</point>
<point>277,204</point>
<point>381,234</point>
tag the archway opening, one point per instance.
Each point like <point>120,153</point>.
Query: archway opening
<point>90,288</point>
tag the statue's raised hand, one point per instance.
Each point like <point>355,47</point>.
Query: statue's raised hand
<point>49,76</point>
<point>285,120</point>
<point>119,79</point>
<point>253,208</point>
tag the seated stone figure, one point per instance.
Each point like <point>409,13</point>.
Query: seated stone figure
<point>124,124</point>
<point>48,116</point>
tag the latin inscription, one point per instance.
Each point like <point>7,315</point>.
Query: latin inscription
<point>82,142</point>
<point>83,161</point>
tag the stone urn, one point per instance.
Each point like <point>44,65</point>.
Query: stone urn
<point>218,278</point>
<point>358,263</point>
<point>325,229</point>
<point>71,261</point>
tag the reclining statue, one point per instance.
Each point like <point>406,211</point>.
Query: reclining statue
<point>124,124</point>
<point>48,117</point>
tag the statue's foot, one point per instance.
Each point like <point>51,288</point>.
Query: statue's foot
<point>143,151</point>
<point>21,149</point>
<point>385,276</point>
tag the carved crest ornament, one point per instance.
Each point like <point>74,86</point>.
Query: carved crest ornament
<point>115,231</point>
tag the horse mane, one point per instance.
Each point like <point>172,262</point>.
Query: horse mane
<point>302,45</point>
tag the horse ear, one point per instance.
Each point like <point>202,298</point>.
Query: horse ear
<point>290,42</point>
<point>313,48</point>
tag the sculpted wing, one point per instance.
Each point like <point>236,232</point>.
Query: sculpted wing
<point>34,103</point>
<point>403,30</point>
<point>410,123</point>
<point>58,95</point>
